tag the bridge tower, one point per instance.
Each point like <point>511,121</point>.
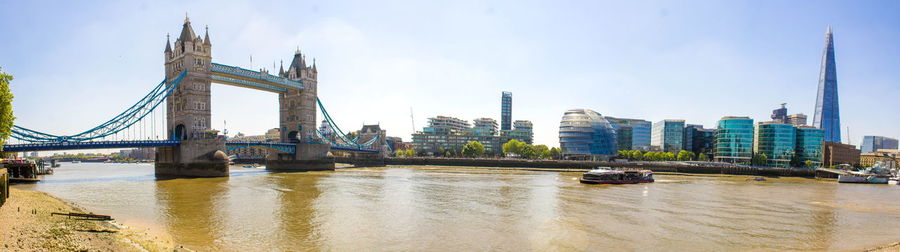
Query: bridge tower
<point>188,114</point>
<point>297,108</point>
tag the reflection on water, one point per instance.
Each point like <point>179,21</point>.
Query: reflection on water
<point>441,208</point>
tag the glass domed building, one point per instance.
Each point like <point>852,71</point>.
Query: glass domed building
<point>585,134</point>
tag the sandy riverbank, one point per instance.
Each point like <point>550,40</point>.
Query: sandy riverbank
<point>28,226</point>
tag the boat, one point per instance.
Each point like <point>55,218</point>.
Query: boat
<point>894,180</point>
<point>878,174</point>
<point>605,175</point>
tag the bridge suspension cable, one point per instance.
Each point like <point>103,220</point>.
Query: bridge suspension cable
<point>129,122</point>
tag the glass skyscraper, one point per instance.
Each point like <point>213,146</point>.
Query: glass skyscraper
<point>828,116</point>
<point>640,131</point>
<point>810,145</point>
<point>734,140</point>
<point>668,135</point>
<point>506,111</point>
<point>777,141</point>
<point>585,134</point>
<point>873,143</point>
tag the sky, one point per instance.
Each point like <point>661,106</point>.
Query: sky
<point>79,63</point>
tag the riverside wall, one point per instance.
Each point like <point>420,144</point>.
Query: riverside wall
<point>677,167</point>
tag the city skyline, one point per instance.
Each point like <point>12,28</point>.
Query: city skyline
<point>616,69</point>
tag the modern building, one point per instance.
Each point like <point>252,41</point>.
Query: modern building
<point>780,115</point>
<point>810,145</point>
<point>450,134</point>
<point>798,119</point>
<point>623,138</point>
<point>585,134</point>
<point>699,140</point>
<point>485,127</point>
<point>522,130</point>
<point>838,153</point>
<point>874,143</point>
<point>446,125</point>
<point>640,131</point>
<point>668,135</point>
<point>506,111</point>
<point>777,140</point>
<point>828,116</point>
<point>734,140</point>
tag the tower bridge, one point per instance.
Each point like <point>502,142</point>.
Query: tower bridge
<point>190,147</point>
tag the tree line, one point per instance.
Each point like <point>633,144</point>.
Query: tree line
<point>475,149</point>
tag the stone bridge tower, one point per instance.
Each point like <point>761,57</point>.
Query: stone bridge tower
<point>297,108</point>
<point>189,104</point>
<point>188,116</point>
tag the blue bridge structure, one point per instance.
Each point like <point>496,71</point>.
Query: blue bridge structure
<point>174,117</point>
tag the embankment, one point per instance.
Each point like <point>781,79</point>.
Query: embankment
<point>676,167</point>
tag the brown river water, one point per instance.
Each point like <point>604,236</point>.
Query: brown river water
<point>404,208</point>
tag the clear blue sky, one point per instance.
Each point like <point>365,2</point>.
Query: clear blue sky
<point>78,63</point>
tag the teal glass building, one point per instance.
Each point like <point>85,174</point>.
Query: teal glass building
<point>777,141</point>
<point>585,134</point>
<point>734,140</point>
<point>810,145</point>
<point>668,135</point>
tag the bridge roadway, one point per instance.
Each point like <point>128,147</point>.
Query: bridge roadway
<point>55,146</point>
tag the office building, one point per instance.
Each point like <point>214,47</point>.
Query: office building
<point>443,125</point>
<point>506,111</point>
<point>585,134</point>
<point>838,154</point>
<point>797,119</point>
<point>668,135</point>
<point>623,138</point>
<point>640,131</point>
<point>734,140</point>
<point>874,143</point>
<point>827,116</point>
<point>889,157</point>
<point>777,140</point>
<point>699,140</point>
<point>810,145</point>
<point>780,115</point>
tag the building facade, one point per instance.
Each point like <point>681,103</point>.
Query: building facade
<point>874,143</point>
<point>734,140</point>
<point>668,135</point>
<point>777,140</point>
<point>640,131</point>
<point>699,140</point>
<point>522,130</point>
<point>798,119</point>
<point>450,134</point>
<point>506,111</point>
<point>828,115</point>
<point>810,145</point>
<point>585,134</point>
<point>838,154</point>
<point>484,127</point>
<point>623,138</point>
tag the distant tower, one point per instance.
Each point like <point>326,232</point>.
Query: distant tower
<point>828,116</point>
<point>780,115</point>
<point>297,108</point>
<point>188,106</point>
<point>506,111</point>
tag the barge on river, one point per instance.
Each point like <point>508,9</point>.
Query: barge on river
<point>605,175</point>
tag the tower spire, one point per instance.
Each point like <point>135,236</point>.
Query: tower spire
<point>206,37</point>
<point>827,112</point>
<point>186,18</point>
<point>168,46</point>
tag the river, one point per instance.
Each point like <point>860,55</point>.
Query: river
<point>403,208</point>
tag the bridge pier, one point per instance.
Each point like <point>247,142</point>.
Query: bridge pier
<point>192,158</point>
<point>367,160</point>
<point>307,157</point>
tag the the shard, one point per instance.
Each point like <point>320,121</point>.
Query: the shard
<point>828,115</point>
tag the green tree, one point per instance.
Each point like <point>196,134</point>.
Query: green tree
<point>527,151</point>
<point>512,147</point>
<point>541,151</point>
<point>649,156</point>
<point>668,156</point>
<point>795,161</point>
<point>6,112</point>
<point>702,157</point>
<point>473,149</point>
<point>759,159</point>
<point>555,153</point>
<point>637,155</point>
<point>809,164</point>
<point>683,156</point>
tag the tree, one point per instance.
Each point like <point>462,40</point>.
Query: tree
<point>809,164</point>
<point>637,155</point>
<point>6,112</point>
<point>555,153</point>
<point>795,161</point>
<point>683,156</point>
<point>527,151</point>
<point>668,156</point>
<point>542,151</point>
<point>702,157</point>
<point>649,156</point>
<point>473,149</point>
<point>759,159</point>
<point>513,146</point>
